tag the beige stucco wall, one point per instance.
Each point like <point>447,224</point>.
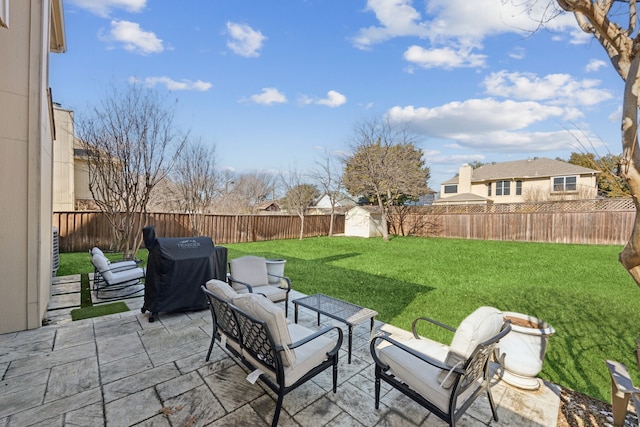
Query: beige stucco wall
<point>532,190</point>
<point>26,159</point>
<point>63,167</point>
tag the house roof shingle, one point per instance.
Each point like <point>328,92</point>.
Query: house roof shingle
<point>531,168</point>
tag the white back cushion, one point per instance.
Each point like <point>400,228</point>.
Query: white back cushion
<point>96,250</point>
<point>249,269</point>
<point>263,309</point>
<point>476,328</point>
<point>102,264</point>
<point>221,289</point>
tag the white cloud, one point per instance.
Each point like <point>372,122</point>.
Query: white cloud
<point>134,38</point>
<point>334,99</point>
<point>555,88</point>
<point>446,57</point>
<point>517,53</point>
<point>462,21</point>
<point>490,125</point>
<point>397,18</point>
<point>171,84</point>
<point>269,96</point>
<point>245,41</point>
<point>104,7</point>
<point>595,65</point>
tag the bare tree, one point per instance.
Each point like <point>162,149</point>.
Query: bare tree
<point>328,175</point>
<point>617,32</point>
<point>298,195</point>
<point>197,182</point>
<point>130,141</point>
<point>241,194</point>
<point>386,167</point>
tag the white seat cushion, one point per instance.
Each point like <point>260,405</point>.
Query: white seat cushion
<point>263,309</point>
<point>124,276</point>
<point>274,293</point>
<point>308,355</point>
<point>420,376</point>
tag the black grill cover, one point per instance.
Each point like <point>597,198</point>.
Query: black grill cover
<point>175,270</point>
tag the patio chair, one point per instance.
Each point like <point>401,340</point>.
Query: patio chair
<point>284,356</point>
<point>120,265</point>
<point>622,390</point>
<point>445,379</point>
<point>248,274</point>
<point>112,278</point>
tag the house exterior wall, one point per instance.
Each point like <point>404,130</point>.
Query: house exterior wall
<point>63,166</point>
<point>26,166</point>
<point>532,188</point>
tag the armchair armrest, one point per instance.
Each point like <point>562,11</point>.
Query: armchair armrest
<point>425,358</point>
<point>314,336</point>
<point>285,278</point>
<point>426,319</point>
<point>232,281</point>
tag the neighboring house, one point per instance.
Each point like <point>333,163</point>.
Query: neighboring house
<point>29,31</point>
<point>341,201</point>
<point>268,206</point>
<point>536,179</point>
<point>322,205</point>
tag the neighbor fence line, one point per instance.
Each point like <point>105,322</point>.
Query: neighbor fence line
<point>597,221</point>
<point>600,221</point>
<point>81,230</point>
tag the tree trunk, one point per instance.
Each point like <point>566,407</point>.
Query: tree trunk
<point>629,167</point>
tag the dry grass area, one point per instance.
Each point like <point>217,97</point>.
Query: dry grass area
<point>579,410</point>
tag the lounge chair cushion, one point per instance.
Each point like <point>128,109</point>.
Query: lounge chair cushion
<point>102,264</point>
<point>263,309</point>
<point>221,289</point>
<point>96,250</point>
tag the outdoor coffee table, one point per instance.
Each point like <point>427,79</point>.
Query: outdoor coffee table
<point>334,308</point>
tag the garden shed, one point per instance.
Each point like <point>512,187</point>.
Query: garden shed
<point>363,221</point>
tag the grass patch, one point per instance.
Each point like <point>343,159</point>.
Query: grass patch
<point>99,310</point>
<point>85,291</point>
<point>581,290</point>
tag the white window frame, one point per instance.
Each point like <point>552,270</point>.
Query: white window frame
<point>4,13</point>
<point>503,188</point>
<point>450,186</point>
<point>564,184</point>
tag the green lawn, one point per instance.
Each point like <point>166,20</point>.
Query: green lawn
<point>581,290</point>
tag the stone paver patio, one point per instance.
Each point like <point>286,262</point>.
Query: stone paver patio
<point>122,370</point>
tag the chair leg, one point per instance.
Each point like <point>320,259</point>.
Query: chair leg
<point>276,415</point>
<point>213,339</point>
<point>377,388</point>
<point>286,306</point>
<point>493,406</point>
<point>335,373</point>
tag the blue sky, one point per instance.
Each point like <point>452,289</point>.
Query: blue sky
<point>274,84</point>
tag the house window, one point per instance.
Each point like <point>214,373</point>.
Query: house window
<point>503,188</point>
<point>518,188</point>
<point>565,183</point>
<point>489,189</point>
<point>450,189</point>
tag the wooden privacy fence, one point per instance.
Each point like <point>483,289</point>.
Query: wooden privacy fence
<point>81,230</point>
<point>599,221</point>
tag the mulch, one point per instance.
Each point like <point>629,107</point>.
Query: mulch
<point>579,410</point>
